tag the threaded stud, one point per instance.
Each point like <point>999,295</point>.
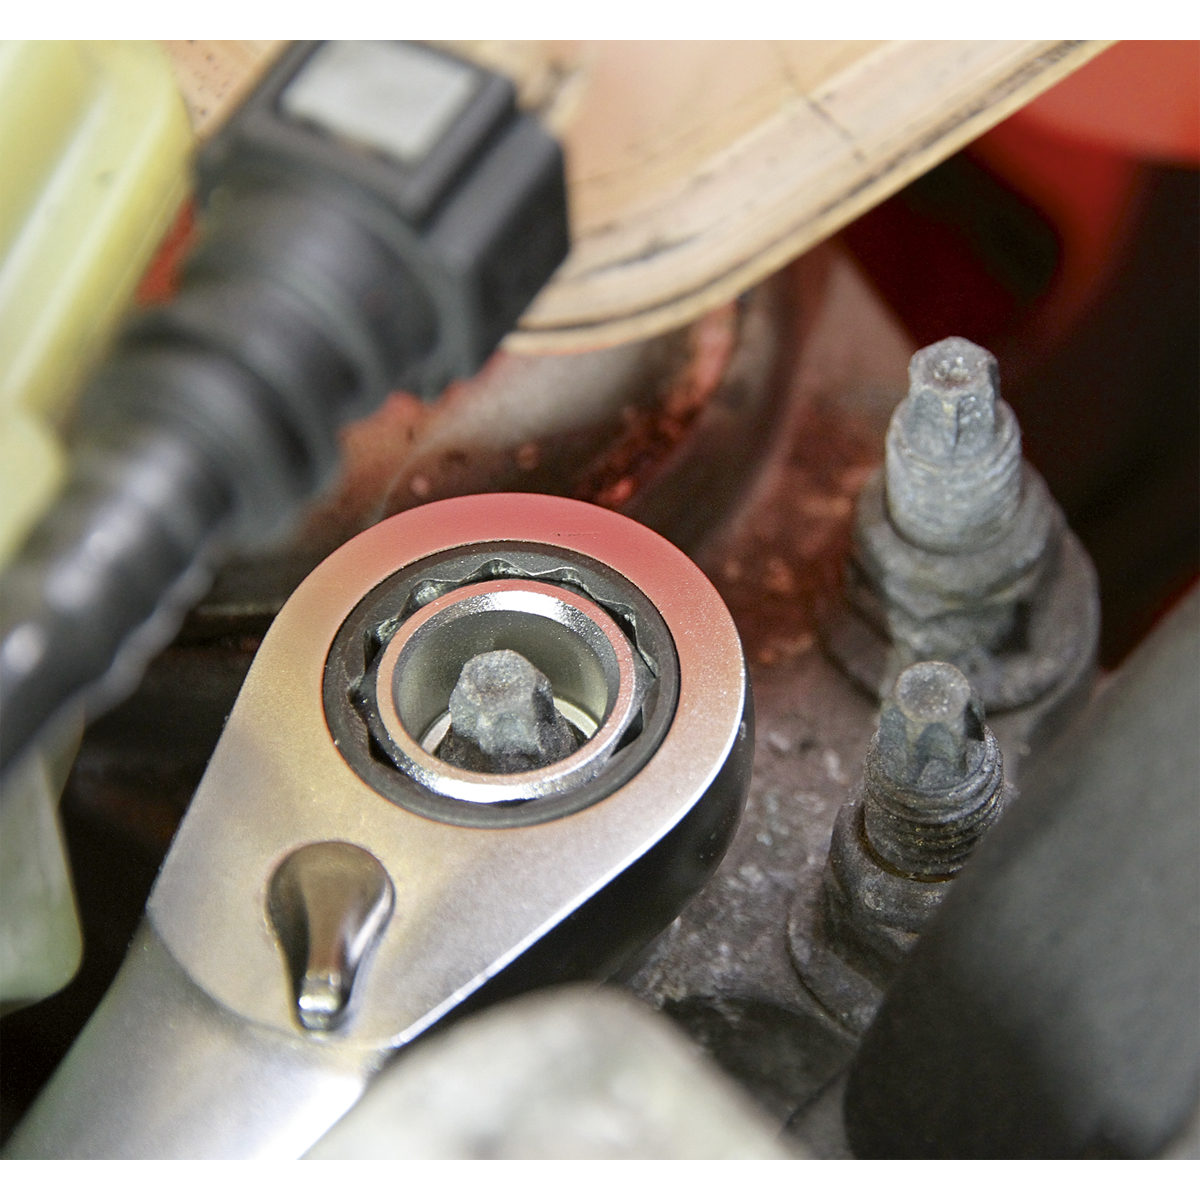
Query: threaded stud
<point>933,777</point>
<point>503,717</point>
<point>953,466</point>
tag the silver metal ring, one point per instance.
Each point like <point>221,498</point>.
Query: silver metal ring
<point>589,662</point>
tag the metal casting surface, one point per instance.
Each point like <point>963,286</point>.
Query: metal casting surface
<point>468,900</point>
<point>723,969</point>
<point>567,1073</point>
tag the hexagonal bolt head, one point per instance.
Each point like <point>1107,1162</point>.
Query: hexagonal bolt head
<point>933,778</point>
<point>953,466</point>
<point>503,719</point>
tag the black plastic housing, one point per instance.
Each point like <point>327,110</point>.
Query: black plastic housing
<point>480,222</point>
<point>327,276</point>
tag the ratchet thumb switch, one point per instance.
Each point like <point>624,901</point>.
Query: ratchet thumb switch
<point>328,903</point>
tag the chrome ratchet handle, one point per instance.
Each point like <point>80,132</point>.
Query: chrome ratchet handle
<point>337,888</point>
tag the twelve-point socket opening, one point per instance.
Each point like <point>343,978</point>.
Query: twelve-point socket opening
<point>592,668</point>
<point>603,646</point>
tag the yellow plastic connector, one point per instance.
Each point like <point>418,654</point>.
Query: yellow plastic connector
<point>95,144</point>
<point>94,150</point>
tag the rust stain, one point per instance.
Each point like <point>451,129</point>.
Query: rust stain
<point>650,435</point>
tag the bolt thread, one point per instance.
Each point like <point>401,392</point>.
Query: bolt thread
<point>953,455</point>
<point>950,507</point>
<point>930,833</point>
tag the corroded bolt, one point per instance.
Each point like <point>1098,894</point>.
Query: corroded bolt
<point>933,778</point>
<point>960,553</point>
<point>953,467</point>
<point>503,719</point>
<point>932,785</point>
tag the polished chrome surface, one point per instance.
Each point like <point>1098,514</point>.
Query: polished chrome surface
<point>161,1071</point>
<point>328,903</point>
